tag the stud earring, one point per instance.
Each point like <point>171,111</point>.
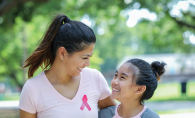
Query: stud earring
<point>63,59</point>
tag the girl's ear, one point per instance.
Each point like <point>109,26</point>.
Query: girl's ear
<point>140,89</point>
<point>62,53</point>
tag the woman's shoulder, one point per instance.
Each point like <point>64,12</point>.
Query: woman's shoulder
<point>94,73</point>
<point>149,113</point>
<point>91,71</point>
<point>36,79</point>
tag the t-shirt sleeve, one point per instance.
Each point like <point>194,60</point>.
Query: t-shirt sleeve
<point>107,112</point>
<point>27,99</point>
<point>104,88</point>
<point>148,113</point>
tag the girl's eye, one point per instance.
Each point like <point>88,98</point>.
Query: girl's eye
<point>85,58</point>
<point>122,78</point>
<point>115,75</point>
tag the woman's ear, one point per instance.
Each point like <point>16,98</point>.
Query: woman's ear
<point>62,53</point>
<point>140,89</point>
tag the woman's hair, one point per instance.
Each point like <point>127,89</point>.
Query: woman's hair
<point>147,75</point>
<point>74,36</point>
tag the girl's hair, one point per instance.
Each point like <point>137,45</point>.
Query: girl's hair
<point>74,36</point>
<point>147,75</point>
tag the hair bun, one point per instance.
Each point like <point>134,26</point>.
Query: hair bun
<point>158,68</point>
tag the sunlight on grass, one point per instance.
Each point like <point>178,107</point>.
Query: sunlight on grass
<point>172,91</point>
<point>176,111</point>
<point>191,89</point>
<point>166,91</point>
<point>10,97</point>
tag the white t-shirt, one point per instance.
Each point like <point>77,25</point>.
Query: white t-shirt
<point>39,96</point>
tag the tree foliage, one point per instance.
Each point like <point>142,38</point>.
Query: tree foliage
<point>23,23</point>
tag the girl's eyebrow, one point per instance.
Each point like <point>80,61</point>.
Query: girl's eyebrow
<point>122,74</point>
<point>125,74</point>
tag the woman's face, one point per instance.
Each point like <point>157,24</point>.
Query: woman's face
<point>75,62</point>
<point>123,85</point>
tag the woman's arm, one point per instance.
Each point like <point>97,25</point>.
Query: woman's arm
<point>106,102</point>
<point>24,114</point>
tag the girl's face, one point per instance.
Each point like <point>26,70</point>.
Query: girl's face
<point>123,85</point>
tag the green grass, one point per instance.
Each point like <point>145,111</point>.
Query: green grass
<point>176,111</point>
<point>172,91</point>
<point>10,97</point>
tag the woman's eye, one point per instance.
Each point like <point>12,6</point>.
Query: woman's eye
<point>85,58</point>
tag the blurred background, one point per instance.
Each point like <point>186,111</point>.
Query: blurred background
<point>153,30</point>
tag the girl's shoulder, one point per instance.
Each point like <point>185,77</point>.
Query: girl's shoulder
<point>149,113</point>
<point>107,112</point>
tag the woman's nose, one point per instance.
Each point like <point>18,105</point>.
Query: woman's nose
<point>87,62</point>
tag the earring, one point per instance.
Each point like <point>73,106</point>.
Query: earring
<point>63,59</point>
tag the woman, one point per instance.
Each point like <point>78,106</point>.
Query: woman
<point>66,89</point>
<point>134,82</point>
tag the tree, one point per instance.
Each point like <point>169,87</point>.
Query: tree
<point>108,18</point>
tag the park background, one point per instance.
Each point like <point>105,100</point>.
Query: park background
<point>154,30</point>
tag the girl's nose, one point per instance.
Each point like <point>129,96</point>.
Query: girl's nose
<point>114,82</point>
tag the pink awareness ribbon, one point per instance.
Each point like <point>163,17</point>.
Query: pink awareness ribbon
<point>85,103</point>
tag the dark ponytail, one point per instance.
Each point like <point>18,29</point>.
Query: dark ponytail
<point>147,75</point>
<point>56,36</point>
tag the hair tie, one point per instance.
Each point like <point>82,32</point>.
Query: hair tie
<point>67,20</point>
<point>156,74</point>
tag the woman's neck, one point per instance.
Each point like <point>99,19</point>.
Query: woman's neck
<point>130,108</point>
<point>55,75</point>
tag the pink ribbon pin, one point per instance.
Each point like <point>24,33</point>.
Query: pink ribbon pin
<point>85,103</point>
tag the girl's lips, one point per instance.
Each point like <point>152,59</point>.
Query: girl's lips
<point>116,90</point>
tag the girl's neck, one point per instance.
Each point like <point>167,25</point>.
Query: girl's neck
<point>129,109</point>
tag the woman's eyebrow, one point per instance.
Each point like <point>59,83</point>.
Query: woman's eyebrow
<point>87,55</point>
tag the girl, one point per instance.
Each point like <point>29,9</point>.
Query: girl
<point>134,82</point>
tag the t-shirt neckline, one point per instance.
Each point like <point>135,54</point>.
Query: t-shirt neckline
<point>137,116</point>
<point>58,94</point>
